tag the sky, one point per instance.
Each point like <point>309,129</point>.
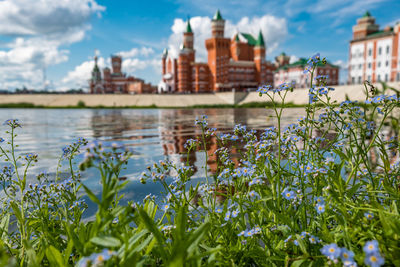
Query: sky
<point>52,43</point>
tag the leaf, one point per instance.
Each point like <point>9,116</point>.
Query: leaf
<point>73,236</point>
<point>4,226</point>
<point>136,238</point>
<point>197,235</point>
<point>106,241</point>
<point>68,251</point>
<point>302,245</point>
<point>17,212</point>
<point>54,256</point>
<point>150,225</point>
<point>298,263</point>
<point>143,244</point>
<point>91,195</point>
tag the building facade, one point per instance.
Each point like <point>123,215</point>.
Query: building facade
<point>233,64</point>
<point>374,53</point>
<point>115,81</point>
<point>294,72</point>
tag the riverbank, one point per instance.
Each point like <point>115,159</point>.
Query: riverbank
<point>299,97</point>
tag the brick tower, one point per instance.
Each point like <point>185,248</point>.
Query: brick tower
<point>185,60</point>
<point>218,49</point>
<point>282,60</point>
<point>116,62</point>
<point>164,63</point>
<point>365,26</point>
<point>259,59</point>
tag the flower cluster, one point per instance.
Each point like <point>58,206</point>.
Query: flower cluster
<point>373,256</point>
<point>333,252</point>
<point>265,89</point>
<point>71,150</point>
<point>96,259</point>
<point>312,62</point>
<point>13,123</point>
<point>202,121</point>
<point>251,232</point>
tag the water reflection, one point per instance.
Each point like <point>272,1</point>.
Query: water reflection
<point>153,134</point>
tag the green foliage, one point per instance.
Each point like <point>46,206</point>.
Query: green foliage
<point>81,104</point>
<point>305,194</point>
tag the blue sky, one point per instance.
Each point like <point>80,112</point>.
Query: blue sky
<point>59,38</point>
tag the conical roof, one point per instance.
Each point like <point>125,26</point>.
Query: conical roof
<point>237,38</point>
<point>165,52</point>
<point>366,14</point>
<point>188,27</point>
<point>260,40</point>
<point>217,16</point>
<point>95,67</point>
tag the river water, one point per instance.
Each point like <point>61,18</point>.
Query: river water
<point>152,134</point>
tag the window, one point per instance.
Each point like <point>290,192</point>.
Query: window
<point>369,78</point>
<point>387,63</point>
<point>380,51</point>
<point>369,65</point>
<point>352,80</point>
<point>379,64</point>
<point>369,52</point>
<point>379,77</point>
<point>386,77</point>
<point>359,79</point>
<point>398,76</point>
<point>359,66</point>
<point>387,49</point>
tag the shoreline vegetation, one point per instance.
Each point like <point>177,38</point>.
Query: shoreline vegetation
<point>298,99</point>
<point>83,106</point>
<point>216,106</point>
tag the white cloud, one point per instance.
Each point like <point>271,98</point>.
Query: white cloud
<point>27,17</point>
<point>42,30</point>
<point>336,11</point>
<point>79,77</point>
<point>274,30</point>
<point>293,59</point>
<point>132,65</point>
<point>342,64</point>
<point>144,51</point>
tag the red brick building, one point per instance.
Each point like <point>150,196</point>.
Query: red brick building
<point>116,82</point>
<point>294,72</point>
<point>374,53</point>
<point>233,64</point>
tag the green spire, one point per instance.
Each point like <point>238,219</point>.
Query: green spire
<point>217,16</point>
<point>367,14</point>
<point>96,75</point>
<point>260,40</point>
<point>165,52</point>
<point>95,68</point>
<point>188,27</point>
<point>237,38</point>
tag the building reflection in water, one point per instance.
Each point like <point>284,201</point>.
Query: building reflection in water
<point>176,129</point>
<point>171,128</point>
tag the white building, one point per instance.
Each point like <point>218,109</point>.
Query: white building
<point>374,53</point>
<point>294,72</point>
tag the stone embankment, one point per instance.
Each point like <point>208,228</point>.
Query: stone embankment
<point>299,96</point>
